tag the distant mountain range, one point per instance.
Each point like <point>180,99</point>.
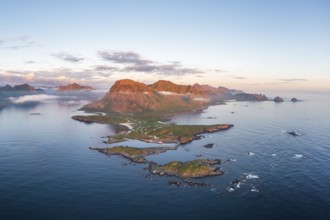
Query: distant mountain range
<point>29,88</point>
<point>21,87</point>
<point>74,87</point>
<point>162,97</point>
<point>128,96</point>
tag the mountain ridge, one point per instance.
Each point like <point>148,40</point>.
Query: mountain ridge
<point>129,96</point>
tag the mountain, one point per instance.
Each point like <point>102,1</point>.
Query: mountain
<point>73,87</point>
<point>168,86</point>
<point>21,87</point>
<point>196,89</point>
<point>128,96</point>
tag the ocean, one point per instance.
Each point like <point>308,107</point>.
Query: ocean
<point>47,170</point>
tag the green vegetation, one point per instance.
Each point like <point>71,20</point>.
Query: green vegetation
<point>132,153</point>
<point>102,119</point>
<point>151,129</point>
<point>189,169</point>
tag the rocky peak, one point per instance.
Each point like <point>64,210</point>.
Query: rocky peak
<point>129,86</point>
<point>203,90</point>
<point>168,86</point>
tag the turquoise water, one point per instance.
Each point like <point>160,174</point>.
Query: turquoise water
<point>48,172</point>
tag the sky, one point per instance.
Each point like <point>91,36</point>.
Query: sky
<point>252,45</point>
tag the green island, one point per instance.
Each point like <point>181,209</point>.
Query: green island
<point>189,169</point>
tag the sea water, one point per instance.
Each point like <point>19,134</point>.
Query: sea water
<point>47,170</point>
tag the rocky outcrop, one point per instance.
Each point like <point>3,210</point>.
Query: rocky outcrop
<point>278,99</point>
<point>73,87</point>
<point>250,97</point>
<point>295,100</point>
<point>189,169</point>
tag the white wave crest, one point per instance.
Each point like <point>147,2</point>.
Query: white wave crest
<point>297,156</point>
<point>251,176</point>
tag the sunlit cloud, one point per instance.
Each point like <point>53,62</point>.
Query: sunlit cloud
<point>61,78</point>
<point>121,64</point>
<point>30,77</point>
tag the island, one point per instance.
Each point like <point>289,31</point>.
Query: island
<point>295,100</point>
<point>141,112</point>
<point>278,99</point>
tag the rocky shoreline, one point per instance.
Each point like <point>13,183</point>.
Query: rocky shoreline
<point>190,169</point>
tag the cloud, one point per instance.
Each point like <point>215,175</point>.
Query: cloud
<point>134,62</point>
<point>120,64</point>
<point>123,57</point>
<point>294,80</point>
<point>105,68</point>
<point>219,71</point>
<point>33,98</point>
<point>20,46</point>
<point>30,77</point>
<point>44,77</point>
<point>21,38</point>
<point>30,62</point>
<point>162,69</point>
<point>238,77</point>
<point>68,57</point>
<point>18,42</point>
